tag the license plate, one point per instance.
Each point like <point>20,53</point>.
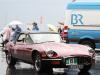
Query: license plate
<point>71,61</point>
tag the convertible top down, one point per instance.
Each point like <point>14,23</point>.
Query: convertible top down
<point>45,50</point>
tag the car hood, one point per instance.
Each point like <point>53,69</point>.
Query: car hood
<point>63,49</point>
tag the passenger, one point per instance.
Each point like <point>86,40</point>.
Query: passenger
<point>16,30</point>
<point>6,33</point>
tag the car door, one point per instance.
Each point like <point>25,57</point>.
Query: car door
<point>28,48</point>
<point>19,46</point>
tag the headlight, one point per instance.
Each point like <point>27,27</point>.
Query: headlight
<point>91,51</point>
<point>51,53</point>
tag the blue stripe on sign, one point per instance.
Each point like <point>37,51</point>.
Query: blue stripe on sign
<point>84,5</point>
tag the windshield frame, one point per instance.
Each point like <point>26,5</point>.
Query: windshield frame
<point>57,34</point>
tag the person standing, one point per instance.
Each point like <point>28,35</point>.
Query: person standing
<point>16,30</point>
<point>35,26</point>
<point>59,29</point>
<point>6,33</point>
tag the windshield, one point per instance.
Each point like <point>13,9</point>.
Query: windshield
<point>39,38</point>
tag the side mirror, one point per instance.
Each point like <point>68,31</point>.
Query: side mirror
<point>23,39</point>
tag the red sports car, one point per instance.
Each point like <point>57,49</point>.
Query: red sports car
<point>45,50</point>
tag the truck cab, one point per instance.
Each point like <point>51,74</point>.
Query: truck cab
<point>83,21</point>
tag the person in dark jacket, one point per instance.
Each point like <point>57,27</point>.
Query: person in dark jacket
<point>15,33</point>
<point>35,26</point>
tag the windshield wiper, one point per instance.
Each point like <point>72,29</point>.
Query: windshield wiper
<point>50,41</point>
<point>44,42</point>
<point>47,41</point>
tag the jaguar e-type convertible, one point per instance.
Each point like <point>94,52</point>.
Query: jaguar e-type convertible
<point>46,50</point>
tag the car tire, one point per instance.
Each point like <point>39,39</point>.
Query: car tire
<point>85,68</point>
<point>10,60</point>
<point>88,43</point>
<point>40,66</point>
<point>84,73</point>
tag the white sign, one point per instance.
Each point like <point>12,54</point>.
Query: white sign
<point>82,17</point>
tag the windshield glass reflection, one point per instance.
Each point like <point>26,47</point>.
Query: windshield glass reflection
<point>39,38</point>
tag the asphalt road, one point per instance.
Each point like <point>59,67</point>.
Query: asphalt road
<point>27,69</point>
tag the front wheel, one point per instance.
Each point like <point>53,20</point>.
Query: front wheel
<point>88,43</point>
<point>85,68</point>
<point>10,60</point>
<point>40,66</point>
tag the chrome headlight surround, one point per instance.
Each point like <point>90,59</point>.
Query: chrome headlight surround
<point>92,53</point>
<point>52,54</point>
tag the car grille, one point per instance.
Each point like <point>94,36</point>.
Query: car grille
<point>83,60</point>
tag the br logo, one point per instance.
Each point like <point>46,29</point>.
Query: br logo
<point>76,19</point>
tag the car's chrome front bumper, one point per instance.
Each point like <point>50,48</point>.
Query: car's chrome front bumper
<point>61,62</point>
